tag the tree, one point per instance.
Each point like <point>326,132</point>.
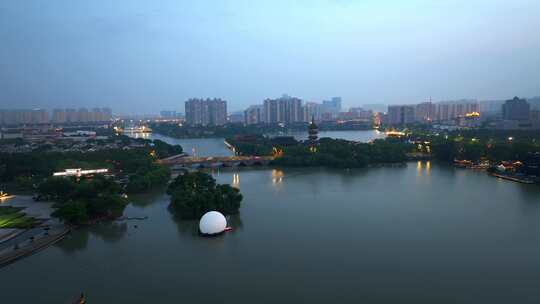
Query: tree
<point>229,199</point>
<point>194,194</point>
<point>57,188</point>
<point>73,212</point>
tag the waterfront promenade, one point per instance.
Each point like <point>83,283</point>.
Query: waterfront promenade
<point>17,243</point>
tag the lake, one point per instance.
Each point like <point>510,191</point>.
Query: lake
<point>423,233</point>
<point>215,146</point>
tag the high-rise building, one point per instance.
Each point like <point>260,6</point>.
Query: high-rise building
<point>271,111</point>
<point>218,112</point>
<point>206,112</point>
<point>71,115</point>
<point>312,110</point>
<point>40,116</point>
<point>490,107</point>
<point>292,108</point>
<point>516,109</point>
<point>285,109</point>
<point>195,112</point>
<point>16,117</point>
<point>332,106</point>
<point>401,114</point>
<point>424,112</point>
<point>83,115</point>
<point>253,115</point>
<point>451,110</point>
<point>95,115</point>
<point>59,116</point>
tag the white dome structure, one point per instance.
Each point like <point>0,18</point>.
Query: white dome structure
<point>212,223</point>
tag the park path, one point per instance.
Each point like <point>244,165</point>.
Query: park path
<point>18,243</point>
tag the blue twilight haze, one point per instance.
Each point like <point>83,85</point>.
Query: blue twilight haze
<point>145,56</point>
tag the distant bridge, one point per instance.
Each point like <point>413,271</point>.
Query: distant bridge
<point>183,161</point>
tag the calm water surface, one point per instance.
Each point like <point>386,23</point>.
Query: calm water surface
<point>360,135</point>
<point>215,146</point>
<point>193,146</point>
<point>424,233</point>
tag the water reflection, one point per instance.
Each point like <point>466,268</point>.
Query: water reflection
<point>277,177</point>
<point>186,228</point>
<point>76,241</point>
<point>236,180</point>
<point>530,193</point>
<point>147,199</point>
<point>190,228</point>
<point>423,168</point>
<point>109,232</point>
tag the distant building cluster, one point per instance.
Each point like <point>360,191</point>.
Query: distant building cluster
<point>22,116</point>
<point>206,112</point>
<point>287,109</point>
<point>516,113</point>
<point>170,115</point>
<point>516,109</point>
<point>428,112</point>
<point>41,116</point>
<point>81,115</point>
<point>52,139</point>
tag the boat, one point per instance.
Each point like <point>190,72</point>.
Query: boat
<point>80,300</point>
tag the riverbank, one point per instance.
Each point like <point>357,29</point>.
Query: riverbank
<point>32,245</point>
<point>517,179</point>
<point>16,243</point>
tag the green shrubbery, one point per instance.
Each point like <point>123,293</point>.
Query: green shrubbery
<point>148,177</point>
<point>78,202</point>
<point>338,153</point>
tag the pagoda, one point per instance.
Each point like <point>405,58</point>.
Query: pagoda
<point>313,135</point>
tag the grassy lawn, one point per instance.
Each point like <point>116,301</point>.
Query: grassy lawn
<point>11,217</point>
<point>9,210</point>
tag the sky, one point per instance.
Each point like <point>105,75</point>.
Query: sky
<point>145,56</point>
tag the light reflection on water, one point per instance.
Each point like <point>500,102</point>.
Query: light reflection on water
<point>423,168</point>
<point>277,178</point>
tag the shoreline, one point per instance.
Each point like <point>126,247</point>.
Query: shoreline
<point>512,178</point>
<point>11,255</point>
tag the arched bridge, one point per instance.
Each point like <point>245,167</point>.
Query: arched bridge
<point>182,161</point>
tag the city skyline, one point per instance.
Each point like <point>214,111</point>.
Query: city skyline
<point>179,108</point>
<point>138,56</point>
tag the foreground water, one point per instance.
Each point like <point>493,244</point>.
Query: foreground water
<point>424,233</point>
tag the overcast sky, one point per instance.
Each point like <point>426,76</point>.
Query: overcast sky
<point>146,56</point>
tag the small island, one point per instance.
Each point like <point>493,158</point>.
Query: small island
<point>195,193</point>
<point>323,152</point>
